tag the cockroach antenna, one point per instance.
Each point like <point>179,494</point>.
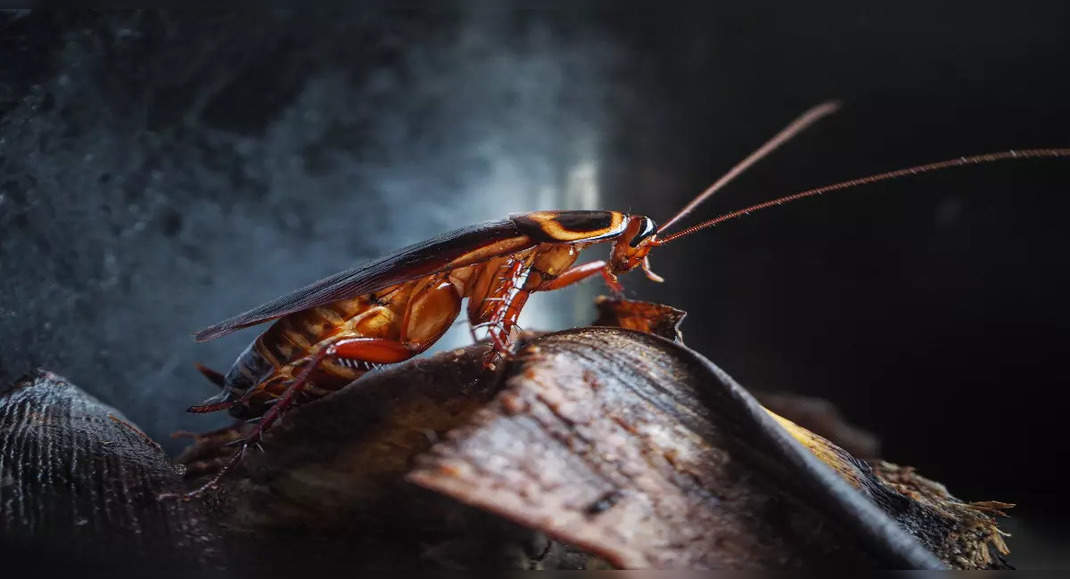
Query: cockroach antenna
<point>800,124</point>
<point>915,170</point>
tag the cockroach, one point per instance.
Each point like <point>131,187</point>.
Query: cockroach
<point>329,333</point>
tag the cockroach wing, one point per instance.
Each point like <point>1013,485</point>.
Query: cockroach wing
<point>448,251</point>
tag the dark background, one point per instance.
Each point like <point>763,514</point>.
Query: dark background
<point>160,171</point>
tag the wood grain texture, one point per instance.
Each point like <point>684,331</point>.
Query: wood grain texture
<point>646,455</point>
<point>79,485</point>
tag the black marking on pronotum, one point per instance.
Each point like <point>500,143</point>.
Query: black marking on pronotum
<point>585,220</point>
<point>570,226</point>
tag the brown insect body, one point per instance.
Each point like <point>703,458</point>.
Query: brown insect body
<point>348,337</point>
<point>276,357</point>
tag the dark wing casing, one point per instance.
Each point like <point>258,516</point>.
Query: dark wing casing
<point>448,251</point>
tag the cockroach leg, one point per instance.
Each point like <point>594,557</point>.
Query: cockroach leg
<point>234,460</point>
<point>374,350</point>
<point>254,437</point>
<point>224,405</point>
<point>573,275</point>
<point>212,407</point>
<point>650,273</point>
<point>502,344</point>
<point>501,337</point>
<point>187,434</point>
<point>613,283</point>
<point>286,399</point>
<point>504,323</point>
<point>214,377</point>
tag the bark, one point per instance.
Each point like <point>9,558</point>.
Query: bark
<point>595,447</point>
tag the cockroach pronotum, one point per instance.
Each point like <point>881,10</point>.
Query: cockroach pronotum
<point>329,333</point>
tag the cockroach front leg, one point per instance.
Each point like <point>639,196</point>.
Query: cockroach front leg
<point>579,273</point>
<point>511,297</point>
<point>505,317</point>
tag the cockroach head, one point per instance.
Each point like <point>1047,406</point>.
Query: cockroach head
<point>634,244</point>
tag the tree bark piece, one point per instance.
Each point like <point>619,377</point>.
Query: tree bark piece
<point>594,447</point>
<point>645,454</point>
